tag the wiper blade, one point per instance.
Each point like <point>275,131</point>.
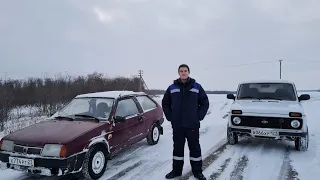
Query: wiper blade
<point>248,97</point>
<point>64,117</point>
<point>272,98</point>
<point>87,116</point>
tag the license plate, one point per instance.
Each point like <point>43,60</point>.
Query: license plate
<point>21,161</point>
<point>264,133</point>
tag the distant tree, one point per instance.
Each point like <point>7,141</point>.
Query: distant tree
<point>49,94</point>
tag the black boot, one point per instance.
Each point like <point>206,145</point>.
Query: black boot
<point>172,175</point>
<point>200,176</point>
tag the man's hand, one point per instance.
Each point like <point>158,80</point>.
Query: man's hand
<point>166,104</point>
<point>203,102</point>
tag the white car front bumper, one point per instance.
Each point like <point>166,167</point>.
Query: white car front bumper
<point>267,132</point>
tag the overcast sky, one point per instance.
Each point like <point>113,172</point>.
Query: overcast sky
<point>119,37</point>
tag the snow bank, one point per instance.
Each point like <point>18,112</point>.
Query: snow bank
<point>22,117</point>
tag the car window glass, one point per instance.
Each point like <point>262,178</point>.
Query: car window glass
<point>103,108</point>
<point>146,103</point>
<point>76,106</point>
<point>280,91</point>
<point>96,107</point>
<point>126,107</point>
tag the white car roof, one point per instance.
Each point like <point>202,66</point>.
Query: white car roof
<point>267,81</point>
<point>109,94</point>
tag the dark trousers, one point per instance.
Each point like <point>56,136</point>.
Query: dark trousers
<point>180,135</point>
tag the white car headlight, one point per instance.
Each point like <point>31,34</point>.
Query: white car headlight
<point>7,145</point>
<point>52,150</point>
<point>295,123</point>
<point>236,120</point>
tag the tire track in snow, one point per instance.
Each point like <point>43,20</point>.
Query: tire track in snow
<point>242,163</point>
<point>287,172</point>
<point>224,105</point>
<point>128,154</point>
<point>225,116</point>
<point>212,157</point>
<point>148,169</point>
<point>208,160</point>
<point>239,154</point>
<point>36,177</point>
<point>125,171</point>
<point>204,130</point>
<point>233,160</point>
<point>29,177</point>
<point>273,161</point>
<point>221,170</point>
<point>245,159</point>
<point>76,176</point>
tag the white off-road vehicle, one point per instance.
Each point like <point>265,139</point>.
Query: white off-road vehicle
<point>268,109</point>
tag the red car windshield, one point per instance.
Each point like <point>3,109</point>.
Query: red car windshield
<point>99,108</point>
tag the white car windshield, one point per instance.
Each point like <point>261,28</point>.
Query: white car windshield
<point>80,108</point>
<point>277,91</point>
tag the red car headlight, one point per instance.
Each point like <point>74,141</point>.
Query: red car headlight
<point>54,150</point>
<point>6,145</point>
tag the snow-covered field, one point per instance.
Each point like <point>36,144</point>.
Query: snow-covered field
<point>250,159</point>
<point>22,117</point>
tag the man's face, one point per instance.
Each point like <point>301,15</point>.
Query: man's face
<point>183,73</point>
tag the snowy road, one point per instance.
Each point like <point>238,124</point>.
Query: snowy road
<point>250,159</point>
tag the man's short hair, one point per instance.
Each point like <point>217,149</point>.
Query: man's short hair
<point>184,65</point>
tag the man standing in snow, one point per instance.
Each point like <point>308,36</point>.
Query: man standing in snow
<point>185,104</point>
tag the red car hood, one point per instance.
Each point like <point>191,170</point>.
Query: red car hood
<point>53,131</point>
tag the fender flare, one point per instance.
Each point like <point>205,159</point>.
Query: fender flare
<point>100,140</point>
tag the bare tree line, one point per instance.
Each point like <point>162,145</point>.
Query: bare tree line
<point>49,94</point>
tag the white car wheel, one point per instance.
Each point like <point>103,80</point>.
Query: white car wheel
<point>232,137</point>
<point>153,135</point>
<point>302,143</point>
<point>98,161</point>
<point>95,162</point>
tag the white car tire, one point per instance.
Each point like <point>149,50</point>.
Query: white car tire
<point>302,143</point>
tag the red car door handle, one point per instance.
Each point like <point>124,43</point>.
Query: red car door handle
<point>142,118</point>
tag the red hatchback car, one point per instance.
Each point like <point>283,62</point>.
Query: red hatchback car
<point>84,134</point>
